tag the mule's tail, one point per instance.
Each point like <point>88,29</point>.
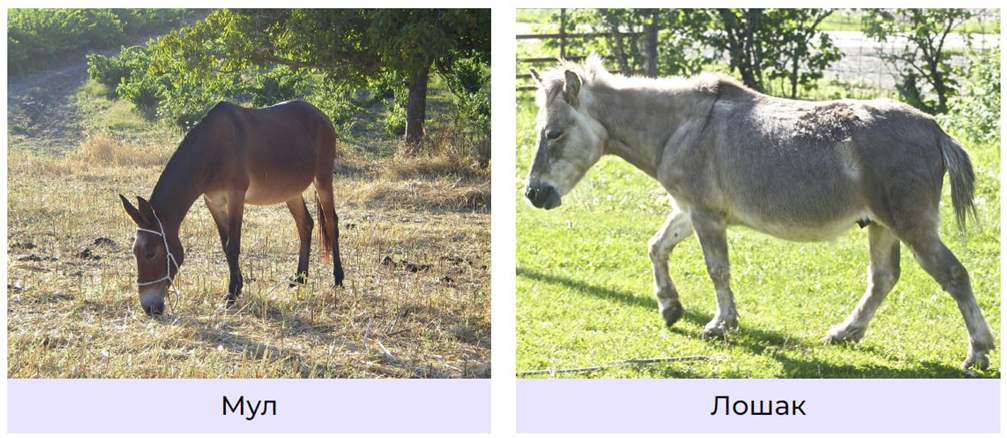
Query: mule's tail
<point>962,177</point>
<point>324,238</point>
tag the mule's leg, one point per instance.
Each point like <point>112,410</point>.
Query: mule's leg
<point>299,210</point>
<point>943,266</point>
<point>712,233</point>
<point>235,211</point>
<point>882,274</point>
<point>328,208</point>
<point>219,214</point>
<point>674,230</point>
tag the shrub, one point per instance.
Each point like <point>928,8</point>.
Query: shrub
<point>37,38</point>
<point>976,112</point>
<point>185,106</point>
<point>146,92</point>
<point>277,85</point>
<point>469,81</point>
<point>111,71</point>
<point>106,70</point>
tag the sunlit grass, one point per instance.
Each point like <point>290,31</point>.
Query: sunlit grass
<point>73,310</point>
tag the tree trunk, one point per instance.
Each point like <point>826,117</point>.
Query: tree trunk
<point>650,45</point>
<point>416,109</point>
<point>795,74</point>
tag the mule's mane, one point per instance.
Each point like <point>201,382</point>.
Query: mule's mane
<point>199,128</point>
<point>593,74</point>
<point>179,166</point>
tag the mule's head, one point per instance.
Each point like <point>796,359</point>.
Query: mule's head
<point>570,141</point>
<point>155,269</point>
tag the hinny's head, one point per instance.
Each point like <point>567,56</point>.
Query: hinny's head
<point>570,141</point>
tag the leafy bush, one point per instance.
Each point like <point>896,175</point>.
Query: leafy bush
<point>395,120</point>
<point>36,38</point>
<point>111,71</point>
<point>146,21</point>
<point>146,92</point>
<point>277,85</point>
<point>183,107</point>
<point>106,70</point>
<point>336,100</point>
<point>469,81</point>
<point>975,113</point>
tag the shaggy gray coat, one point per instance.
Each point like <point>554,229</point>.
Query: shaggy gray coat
<point>797,170</point>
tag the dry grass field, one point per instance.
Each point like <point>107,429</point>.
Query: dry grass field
<point>415,242</point>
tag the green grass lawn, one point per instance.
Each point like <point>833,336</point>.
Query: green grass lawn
<point>585,289</point>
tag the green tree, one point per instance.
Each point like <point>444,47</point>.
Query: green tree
<point>923,59</point>
<point>651,41</point>
<point>760,43</point>
<point>802,51</point>
<point>350,46</point>
<point>773,43</point>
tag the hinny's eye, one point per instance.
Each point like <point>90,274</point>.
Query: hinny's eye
<point>553,134</point>
<point>149,255</point>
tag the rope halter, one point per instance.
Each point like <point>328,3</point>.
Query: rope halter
<point>169,260</point>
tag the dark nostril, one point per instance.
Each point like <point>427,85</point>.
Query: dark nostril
<point>154,310</point>
<point>531,193</point>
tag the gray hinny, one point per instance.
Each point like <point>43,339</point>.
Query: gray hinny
<point>797,170</point>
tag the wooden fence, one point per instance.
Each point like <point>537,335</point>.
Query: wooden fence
<point>563,36</point>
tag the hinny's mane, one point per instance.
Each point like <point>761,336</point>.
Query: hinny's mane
<point>595,76</point>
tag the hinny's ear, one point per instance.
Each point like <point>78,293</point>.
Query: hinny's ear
<point>571,87</point>
<point>145,209</point>
<point>131,210</point>
<point>535,75</point>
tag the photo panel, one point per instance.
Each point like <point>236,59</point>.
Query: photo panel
<point>265,220</point>
<point>778,213</point>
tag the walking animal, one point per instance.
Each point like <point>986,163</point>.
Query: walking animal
<point>232,157</point>
<point>801,171</point>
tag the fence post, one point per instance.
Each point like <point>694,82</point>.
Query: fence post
<point>562,33</point>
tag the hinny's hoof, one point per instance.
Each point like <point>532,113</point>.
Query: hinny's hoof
<point>976,360</point>
<point>718,330</point>
<point>842,334</point>
<point>672,313</point>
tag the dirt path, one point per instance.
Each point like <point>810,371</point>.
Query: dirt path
<point>41,106</point>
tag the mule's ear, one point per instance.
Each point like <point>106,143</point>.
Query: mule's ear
<point>146,211</point>
<point>535,75</point>
<point>571,87</point>
<point>131,210</point>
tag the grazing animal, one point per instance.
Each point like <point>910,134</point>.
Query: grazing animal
<point>797,170</point>
<point>232,157</point>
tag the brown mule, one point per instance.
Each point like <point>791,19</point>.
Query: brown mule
<point>232,157</point>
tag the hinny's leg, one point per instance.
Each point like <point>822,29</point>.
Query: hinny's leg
<point>674,230</point>
<point>882,274</point>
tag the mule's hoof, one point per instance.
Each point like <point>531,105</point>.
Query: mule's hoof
<point>672,313</point>
<point>978,360</point>
<point>296,280</point>
<point>842,334</point>
<point>229,301</point>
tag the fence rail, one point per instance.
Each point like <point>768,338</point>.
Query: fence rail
<point>861,67</point>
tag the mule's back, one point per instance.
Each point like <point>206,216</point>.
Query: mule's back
<point>279,149</point>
